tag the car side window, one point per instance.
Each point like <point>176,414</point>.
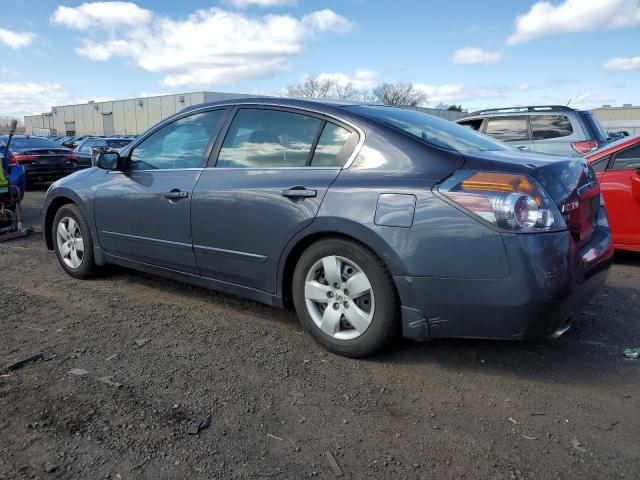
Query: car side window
<point>332,145</point>
<point>545,127</point>
<point>180,144</point>
<point>86,147</point>
<point>628,159</point>
<point>472,124</point>
<point>508,129</point>
<point>268,138</point>
<point>601,165</point>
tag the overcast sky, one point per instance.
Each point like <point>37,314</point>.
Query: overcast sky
<point>477,53</point>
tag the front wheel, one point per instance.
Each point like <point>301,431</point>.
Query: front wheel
<point>72,242</point>
<point>345,297</point>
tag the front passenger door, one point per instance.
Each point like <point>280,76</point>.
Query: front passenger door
<point>144,212</point>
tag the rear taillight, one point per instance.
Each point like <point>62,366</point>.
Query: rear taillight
<point>584,147</point>
<point>71,156</point>
<point>22,158</point>
<point>509,201</point>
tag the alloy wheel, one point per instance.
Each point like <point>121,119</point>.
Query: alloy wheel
<point>70,242</point>
<point>339,297</point>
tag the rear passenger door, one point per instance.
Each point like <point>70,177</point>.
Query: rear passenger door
<point>552,134</point>
<point>265,182</point>
<point>513,130</point>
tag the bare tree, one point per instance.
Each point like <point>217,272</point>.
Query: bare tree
<point>402,94</point>
<point>312,87</point>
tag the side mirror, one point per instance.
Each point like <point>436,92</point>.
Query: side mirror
<point>14,125</point>
<point>110,161</point>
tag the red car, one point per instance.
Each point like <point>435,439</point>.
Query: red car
<point>617,166</point>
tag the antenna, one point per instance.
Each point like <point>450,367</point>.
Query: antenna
<point>569,102</point>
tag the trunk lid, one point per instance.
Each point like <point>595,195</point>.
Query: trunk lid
<point>46,156</point>
<point>570,182</point>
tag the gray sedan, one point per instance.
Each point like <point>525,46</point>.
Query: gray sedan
<point>368,220</point>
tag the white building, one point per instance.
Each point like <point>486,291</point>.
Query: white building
<point>118,117</point>
<point>615,119</point>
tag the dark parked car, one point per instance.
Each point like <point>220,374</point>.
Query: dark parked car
<point>365,218</point>
<point>43,159</point>
<point>551,129</point>
<point>85,152</point>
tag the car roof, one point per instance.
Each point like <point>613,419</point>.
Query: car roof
<point>522,110</point>
<point>308,103</point>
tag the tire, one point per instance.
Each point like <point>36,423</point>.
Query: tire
<point>366,321</point>
<point>86,267</point>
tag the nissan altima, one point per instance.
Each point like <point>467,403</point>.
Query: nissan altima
<point>367,219</point>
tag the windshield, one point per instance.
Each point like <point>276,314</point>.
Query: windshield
<point>30,142</point>
<point>433,130</point>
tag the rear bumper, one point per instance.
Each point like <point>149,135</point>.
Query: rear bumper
<point>549,281</point>
<point>36,173</point>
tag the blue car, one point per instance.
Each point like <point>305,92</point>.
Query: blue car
<point>367,219</point>
<point>15,172</point>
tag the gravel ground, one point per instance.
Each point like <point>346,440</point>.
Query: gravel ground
<point>445,409</point>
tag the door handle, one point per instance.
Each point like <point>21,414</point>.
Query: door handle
<point>299,192</point>
<point>176,195</point>
<point>523,148</point>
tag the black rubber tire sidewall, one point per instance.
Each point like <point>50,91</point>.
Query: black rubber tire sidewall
<point>86,268</point>
<point>385,319</point>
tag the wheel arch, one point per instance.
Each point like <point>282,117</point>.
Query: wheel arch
<point>327,228</point>
<point>50,213</point>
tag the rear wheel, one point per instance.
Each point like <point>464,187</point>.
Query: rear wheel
<point>72,242</point>
<point>345,297</point>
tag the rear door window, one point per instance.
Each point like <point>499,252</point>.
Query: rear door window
<point>333,146</point>
<point>546,127</point>
<point>508,129</point>
<point>262,138</point>
<point>627,160</point>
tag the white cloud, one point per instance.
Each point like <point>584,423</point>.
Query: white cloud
<point>475,55</point>
<point>363,79</point>
<point>452,93</point>
<point>545,18</point>
<point>101,15</point>
<point>586,100</point>
<point>621,63</point>
<point>25,98</point>
<point>16,40</point>
<point>262,3</point>
<point>211,46</point>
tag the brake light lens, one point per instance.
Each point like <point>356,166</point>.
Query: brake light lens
<point>512,202</point>
<point>22,158</point>
<point>584,147</point>
<point>71,156</point>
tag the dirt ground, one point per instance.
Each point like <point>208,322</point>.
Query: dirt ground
<point>565,408</point>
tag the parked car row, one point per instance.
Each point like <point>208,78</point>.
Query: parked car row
<point>73,141</point>
<point>39,159</point>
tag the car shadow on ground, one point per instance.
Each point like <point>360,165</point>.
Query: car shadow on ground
<point>594,343</point>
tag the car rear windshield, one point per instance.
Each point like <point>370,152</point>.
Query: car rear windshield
<point>119,143</point>
<point>432,130</point>
<point>594,126</point>
<point>20,143</point>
